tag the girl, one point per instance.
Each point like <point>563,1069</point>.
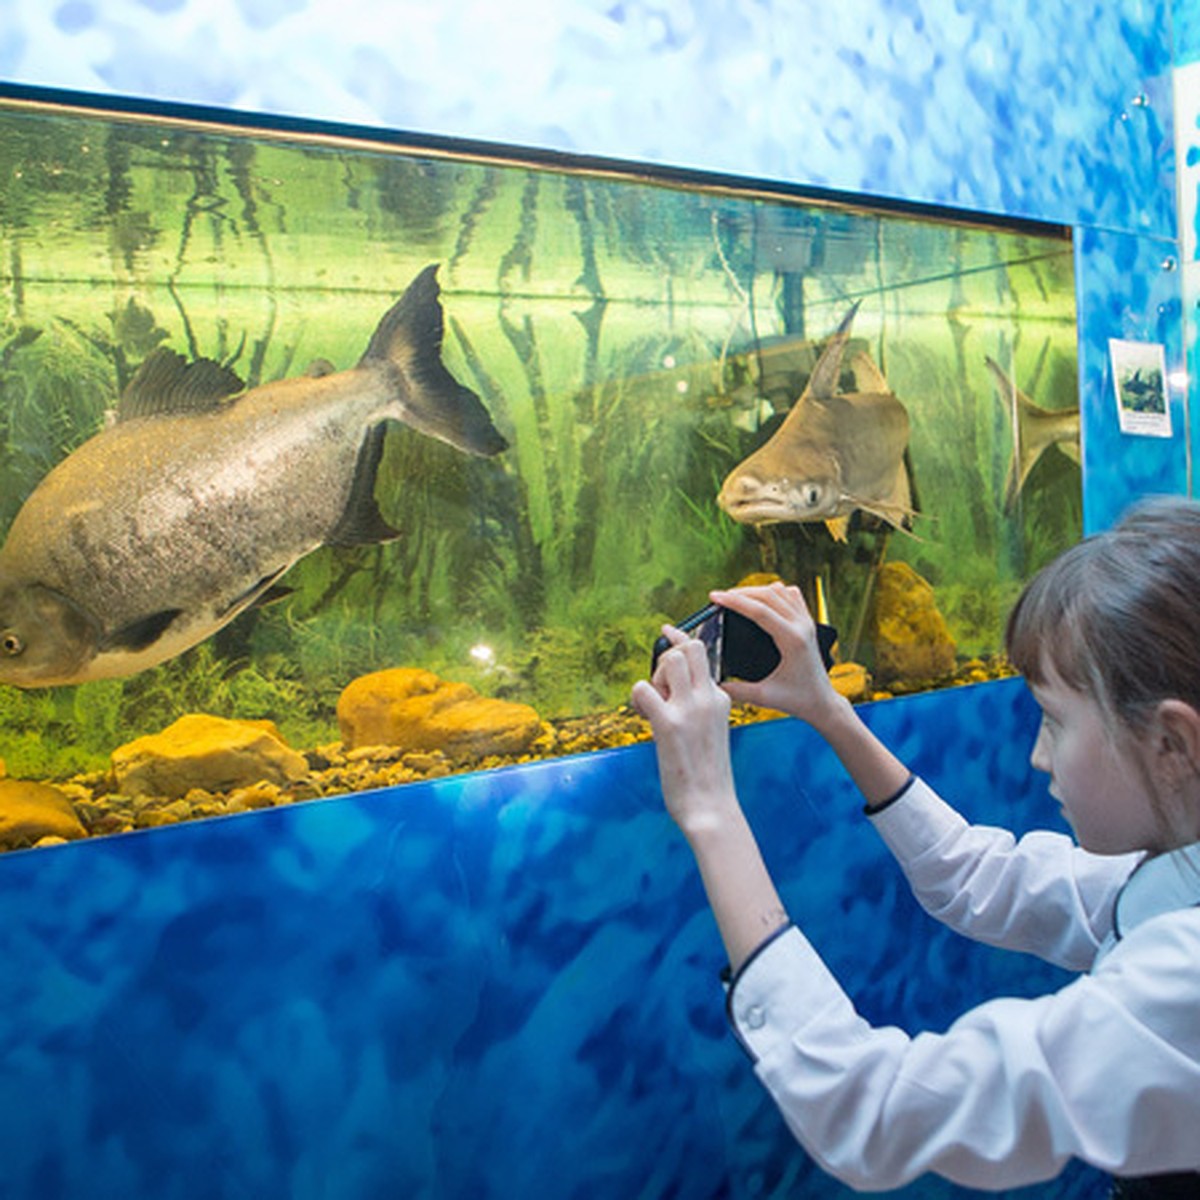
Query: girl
<point>1108,1068</point>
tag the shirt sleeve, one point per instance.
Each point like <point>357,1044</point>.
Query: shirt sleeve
<point>1106,1070</point>
<point>1041,894</point>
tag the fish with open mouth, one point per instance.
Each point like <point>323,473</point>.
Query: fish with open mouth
<point>190,506</point>
<point>835,453</point>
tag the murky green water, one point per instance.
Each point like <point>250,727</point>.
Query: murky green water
<point>633,341</point>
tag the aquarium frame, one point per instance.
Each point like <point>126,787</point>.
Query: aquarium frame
<point>176,115</point>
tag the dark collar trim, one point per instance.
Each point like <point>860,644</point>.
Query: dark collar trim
<point>1162,884</point>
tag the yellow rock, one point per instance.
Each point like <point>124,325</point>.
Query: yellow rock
<point>414,709</point>
<point>31,811</point>
<point>258,795</point>
<point>851,680</point>
<point>212,753</point>
<point>912,639</point>
<point>758,579</point>
<point>155,818</point>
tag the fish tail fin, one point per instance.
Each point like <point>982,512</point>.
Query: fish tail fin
<point>408,341</point>
<point>1026,448</point>
<point>913,497</point>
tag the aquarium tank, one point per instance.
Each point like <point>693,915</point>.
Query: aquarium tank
<point>336,459</point>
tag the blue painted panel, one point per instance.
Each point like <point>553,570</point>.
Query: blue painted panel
<point>498,985</point>
<point>1053,109</point>
<point>1185,31</point>
<point>1187,109</point>
<point>1128,288</point>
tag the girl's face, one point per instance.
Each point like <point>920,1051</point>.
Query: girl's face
<point>1104,793</point>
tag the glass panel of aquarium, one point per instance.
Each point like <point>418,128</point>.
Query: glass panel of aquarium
<point>334,460</point>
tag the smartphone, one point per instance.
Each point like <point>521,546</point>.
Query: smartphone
<point>737,647</point>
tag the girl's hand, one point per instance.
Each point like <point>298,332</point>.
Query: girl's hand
<point>689,715</point>
<point>799,685</point>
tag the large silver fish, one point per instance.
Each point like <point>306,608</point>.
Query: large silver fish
<point>833,454</point>
<point>1035,431</point>
<point>165,526</point>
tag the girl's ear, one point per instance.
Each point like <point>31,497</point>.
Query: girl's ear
<point>1176,742</point>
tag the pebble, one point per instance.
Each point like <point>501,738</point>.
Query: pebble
<point>332,770</point>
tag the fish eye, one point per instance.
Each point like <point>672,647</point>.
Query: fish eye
<point>811,496</point>
<point>11,644</point>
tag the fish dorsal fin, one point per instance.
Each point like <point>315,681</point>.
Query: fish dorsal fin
<point>824,380</point>
<point>1025,451</point>
<point>167,383</point>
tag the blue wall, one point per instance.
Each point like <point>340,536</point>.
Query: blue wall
<point>503,985</point>
<point>1049,109</point>
<point>493,986</point>
<point>1025,107</point>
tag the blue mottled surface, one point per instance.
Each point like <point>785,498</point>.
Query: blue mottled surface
<point>1053,109</point>
<point>1047,109</point>
<point>1128,288</point>
<point>503,985</point>
<point>1187,105</point>
<point>498,985</point>
<point>1185,31</point>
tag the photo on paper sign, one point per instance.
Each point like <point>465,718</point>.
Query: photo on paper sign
<point>1139,379</point>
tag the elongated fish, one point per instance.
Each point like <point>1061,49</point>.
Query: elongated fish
<point>833,454</point>
<point>188,509</point>
<point>1035,431</point>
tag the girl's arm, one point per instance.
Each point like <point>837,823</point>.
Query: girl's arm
<point>690,718</point>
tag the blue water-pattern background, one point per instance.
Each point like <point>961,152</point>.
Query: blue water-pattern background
<point>504,985</point>
<point>1076,114</point>
<point>493,986</point>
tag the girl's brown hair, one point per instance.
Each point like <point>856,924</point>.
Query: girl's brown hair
<point>1118,615</point>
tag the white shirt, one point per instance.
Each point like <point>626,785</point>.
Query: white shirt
<point>1106,1070</point>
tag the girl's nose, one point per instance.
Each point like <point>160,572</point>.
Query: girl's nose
<point>1039,758</point>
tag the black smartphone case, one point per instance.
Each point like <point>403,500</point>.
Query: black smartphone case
<point>747,651</point>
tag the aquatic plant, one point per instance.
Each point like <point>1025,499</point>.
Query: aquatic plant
<point>54,389</point>
<point>633,343</point>
<point>205,681</point>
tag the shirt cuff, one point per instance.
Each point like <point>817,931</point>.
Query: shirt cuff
<point>919,824</point>
<point>729,979</point>
<point>778,988</point>
<point>873,809</point>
